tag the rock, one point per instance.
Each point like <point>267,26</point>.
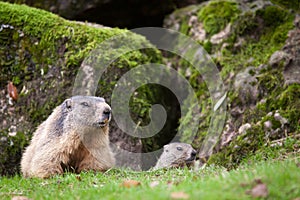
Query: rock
<point>276,125</point>
<point>202,22</point>
<point>246,85</point>
<point>244,128</point>
<point>297,21</point>
<point>197,31</point>
<point>281,119</point>
<point>259,191</point>
<point>12,131</point>
<point>228,135</point>
<point>268,125</point>
<point>291,71</point>
<point>20,198</point>
<point>182,19</point>
<point>279,58</point>
<point>221,36</point>
<point>240,42</point>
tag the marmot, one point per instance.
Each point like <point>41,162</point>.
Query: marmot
<point>73,138</point>
<point>176,155</point>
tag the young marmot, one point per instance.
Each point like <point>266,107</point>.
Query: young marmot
<point>73,138</point>
<point>176,155</point>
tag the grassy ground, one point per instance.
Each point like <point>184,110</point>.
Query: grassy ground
<point>279,180</point>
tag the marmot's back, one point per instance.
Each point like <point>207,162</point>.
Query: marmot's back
<point>176,155</point>
<point>75,136</point>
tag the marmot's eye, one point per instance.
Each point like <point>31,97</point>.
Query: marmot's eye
<point>106,112</point>
<point>84,104</point>
<point>179,148</point>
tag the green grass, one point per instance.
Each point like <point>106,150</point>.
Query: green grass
<point>281,177</point>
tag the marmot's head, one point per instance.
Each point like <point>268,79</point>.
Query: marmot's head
<point>180,154</point>
<point>88,111</point>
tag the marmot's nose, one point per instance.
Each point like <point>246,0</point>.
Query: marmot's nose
<point>193,154</point>
<point>106,113</point>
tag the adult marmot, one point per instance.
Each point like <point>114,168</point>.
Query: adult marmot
<point>73,138</point>
<point>176,155</point>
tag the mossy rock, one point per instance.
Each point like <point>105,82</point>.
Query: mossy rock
<point>217,14</point>
<point>258,29</point>
<point>291,4</point>
<point>257,142</point>
<point>41,53</point>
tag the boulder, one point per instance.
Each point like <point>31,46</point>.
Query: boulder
<point>255,47</point>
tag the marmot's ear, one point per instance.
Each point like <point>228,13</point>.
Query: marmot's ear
<point>68,103</point>
<point>101,99</point>
<point>165,147</point>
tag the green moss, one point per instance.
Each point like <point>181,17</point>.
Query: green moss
<point>289,103</point>
<point>11,151</point>
<point>290,4</point>
<point>33,21</point>
<point>262,41</point>
<point>273,15</point>
<point>208,46</point>
<point>56,38</point>
<point>240,148</point>
<point>217,14</point>
<point>276,151</point>
<point>275,123</point>
<point>270,81</point>
<point>286,101</point>
<point>254,144</point>
<point>39,39</point>
<point>290,97</point>
<point>245,24</point>
<point>184,26</point>
<point>263,21</point>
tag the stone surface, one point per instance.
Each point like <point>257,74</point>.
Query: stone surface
<point>245,84</point>
<point>292,69</point>
<point>221,36</point>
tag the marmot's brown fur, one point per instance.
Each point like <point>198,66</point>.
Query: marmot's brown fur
<point>176,155</point>
<point>73,138</point>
